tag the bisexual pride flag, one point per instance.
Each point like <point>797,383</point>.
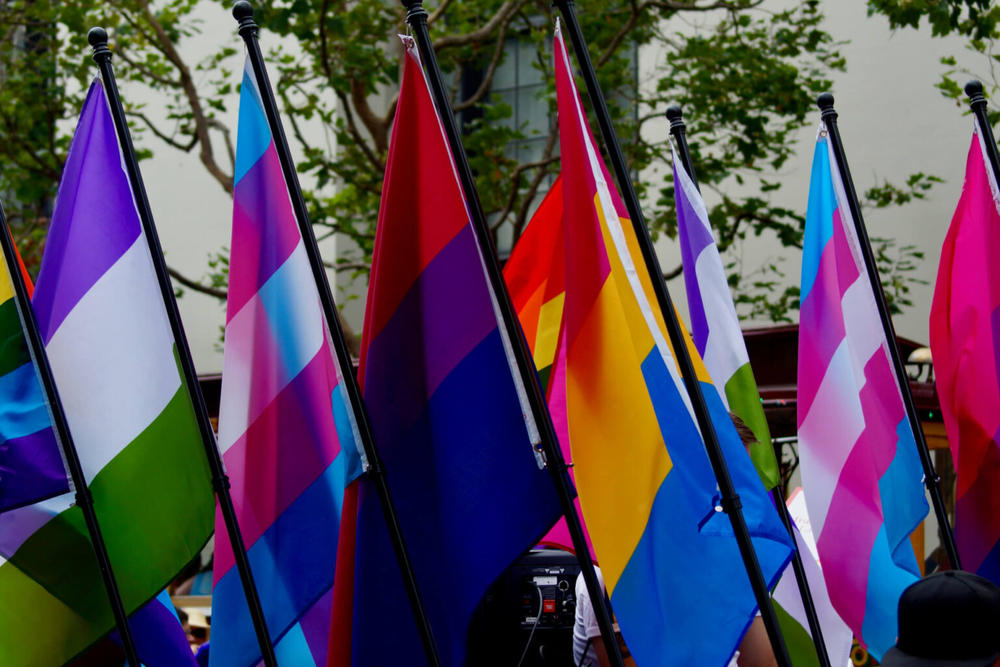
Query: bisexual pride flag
<point>861,474</point>
<point>670,561</point>
<point>449,415</point>
<point>965,343</point>
<point>286,434</point>
<point>113,356</point>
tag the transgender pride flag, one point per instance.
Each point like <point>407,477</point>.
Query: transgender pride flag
<point>965,342</point>
<point>860,471</point>
<point>286,436</point>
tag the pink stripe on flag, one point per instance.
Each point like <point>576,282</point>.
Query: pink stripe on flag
<point>855,515</point>
<point>822,313</point>
<point>291,443</point>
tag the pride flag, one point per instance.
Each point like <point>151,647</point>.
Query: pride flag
<point>114,359</point>
<point>31,464</point>
<point>286,434</point>
<point>449,416</point>
<point>645,482</point>
<point>860,471</point>
<point>965,343</point>
<point>715,327</point>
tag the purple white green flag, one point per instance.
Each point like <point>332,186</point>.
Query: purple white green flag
<point>114,360</point>
<point>715,327</point>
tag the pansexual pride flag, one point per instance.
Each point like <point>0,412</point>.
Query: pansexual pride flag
<point>965,342</point>
<point>285,432</point>
<point>645,482</point>
<point>715,327</point>
<point>861,474</point>
<point>114,359</point>
<point>449,417</point>
<point>31,464</point>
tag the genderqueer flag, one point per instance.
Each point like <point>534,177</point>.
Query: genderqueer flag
<point>715,327</point>
<point>965,344</point>
<point>114,360</point>
<point>671,563</point>
<point>31,464</point>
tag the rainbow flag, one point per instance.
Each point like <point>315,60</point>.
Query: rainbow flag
<point>286,433</point>
<point>965,340</point>
<point>860,471</point>
<point>535,275</point>
<point>449,416</point>
<point>645,482</point>
<point>114,359</point>
<point>714,324</point>
<point>31,463</point>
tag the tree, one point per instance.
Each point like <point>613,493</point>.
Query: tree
<point>747,76</point>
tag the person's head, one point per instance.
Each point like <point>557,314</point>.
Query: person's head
<point>948,618</point>
<point>746,435</point>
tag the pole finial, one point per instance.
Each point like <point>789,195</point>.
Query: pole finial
<point>974,89</point>
<point>825,104</point>
<point>98,38</point>
<point>414,9</point>
<point>243,13</point>
<point>675,116</point>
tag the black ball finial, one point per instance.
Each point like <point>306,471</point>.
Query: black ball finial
<point>674,113</point>
<point>825,101</point>
<point>242,10</point>
<point>98,38</point>
<point>974,89</point>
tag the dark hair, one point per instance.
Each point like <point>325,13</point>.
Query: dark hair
<point>746,435</point>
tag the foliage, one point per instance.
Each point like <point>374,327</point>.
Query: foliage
<point>745,71</point>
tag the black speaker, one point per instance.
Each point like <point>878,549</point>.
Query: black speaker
<point>533,600</point>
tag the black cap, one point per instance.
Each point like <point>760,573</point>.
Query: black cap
<point>948,618</point>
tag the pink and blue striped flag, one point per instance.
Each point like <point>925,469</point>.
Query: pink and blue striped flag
<point>448,413</point>
<point>861,474</point>
<point>286,435</point>
<point>965,343</point>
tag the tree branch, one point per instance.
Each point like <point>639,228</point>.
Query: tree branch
<point>502,16</point>
<point>484,86</point>
<point>196,286</point>
<point>161,135</point>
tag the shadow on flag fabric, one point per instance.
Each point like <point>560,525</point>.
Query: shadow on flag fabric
<point>287,437</point>
<point>450,419</point>
<point>31,462</point>
<point>535,275</point>
<point>715,327</point>
<point>160,639</point>
<point>670,561</point>
<point>114,360</point>
<point>965,344</point>
<point>861,474</point>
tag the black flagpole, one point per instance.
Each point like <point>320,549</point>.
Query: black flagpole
<point>98,38</point>
<point>679,131</point>
<point>730,501</point>
<point>931,479</point>
<point>243,13</point>
<point>84,499</point>
<point>416,16</point>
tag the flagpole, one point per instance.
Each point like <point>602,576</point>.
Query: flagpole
<point>730,501</point>
<point>84,499</point>
<point>416,16</point>
<point>977,102</point>
<point>98,38</point>
<point>931,479</point>
<point>679,131</point>
<point>243,13</point>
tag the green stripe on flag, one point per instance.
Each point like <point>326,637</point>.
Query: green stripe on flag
<point>744,401</point>
<point>155,506</point>
<point>801,648</point>
<point>13,347</point>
